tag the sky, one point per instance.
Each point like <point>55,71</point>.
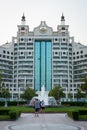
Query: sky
<point>35,11</point>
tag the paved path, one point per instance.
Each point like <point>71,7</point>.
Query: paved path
<point>43,122</point>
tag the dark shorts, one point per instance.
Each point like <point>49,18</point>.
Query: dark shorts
<point>43,107</point>
<point>36,109</point>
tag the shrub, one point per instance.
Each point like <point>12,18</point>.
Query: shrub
<point>4,112</point>
<point>72,103</point>
<point>73,114</point>
<point>2,103</point>
<point>83,112</point>
<point>15,103</point>
<point>14,114</point>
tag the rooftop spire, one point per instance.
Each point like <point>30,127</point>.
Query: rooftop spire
<point>62,20</point>
<point>23,18</point>
<point>23,21</point>
<point>62,17</point>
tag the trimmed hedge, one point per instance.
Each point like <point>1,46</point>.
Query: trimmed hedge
<point>13,103</point>
<point>82,112</point>
<point>73,114</point>
<point>72,103</point>
<point>13,114</point>
<point>4,112</point>
<point>76,115</point>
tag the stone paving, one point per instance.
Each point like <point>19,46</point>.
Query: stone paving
<point>43,122</point>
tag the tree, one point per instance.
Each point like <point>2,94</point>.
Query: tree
<point>5,92</point>
<point>57,92</point>
<point>78,94</point>
<point>28,94</point>
<point>84,86</point>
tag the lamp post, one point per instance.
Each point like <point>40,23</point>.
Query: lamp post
<point>66,93</point>
<point>19,93</point>
<point>12,93</point>
<point>73,93</point>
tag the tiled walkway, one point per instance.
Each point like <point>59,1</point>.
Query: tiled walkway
<point>43,122</point>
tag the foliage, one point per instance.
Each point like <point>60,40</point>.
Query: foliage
<point>9,114</point>
<point>73,114</point>
<point>28,94</point>
<point>4,117</point>
<point>84,86</point>
<point>57,109</point>
<point>14,114</point>
<point>16,111</point>
<point>79,94</point>
<point>5,92</point>
<point>56,92</point>
<point>70,95</point>
<point>73,103</point>
<point>80,114</point>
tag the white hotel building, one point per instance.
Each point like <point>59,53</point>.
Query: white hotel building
<point>43,57</point>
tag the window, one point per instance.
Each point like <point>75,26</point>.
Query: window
<point>3,51</point>
<point>8,57</point>
<point>3,56</point>
<point>63,28</point>
<point>21,53</point>
<point>30,53</point>
<point>55,39</point>
<point>11,57</point>
<point>15,44</point>
<point>64,52</point>
<point>77,52</point>
<point>77,57</point>
<point>86,55</point>
<point>22,39</point>
<point>22,28</point>
<point>7,52</point>
<point>64,39</point>
<point>81,56</point>
<point>81,52</point>
<point>29,39</point>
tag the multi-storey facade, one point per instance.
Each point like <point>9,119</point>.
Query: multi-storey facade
<point>6,65</point>
<point>79,63</point>
<point>43,57</point>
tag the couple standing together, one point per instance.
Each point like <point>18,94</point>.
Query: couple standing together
<point>38,105</point>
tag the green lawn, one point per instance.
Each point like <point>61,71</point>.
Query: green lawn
<point>59,109</point>
<point>4,117</point>
<point>83,117</point>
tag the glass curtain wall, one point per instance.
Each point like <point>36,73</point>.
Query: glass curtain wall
<point>43,64</point>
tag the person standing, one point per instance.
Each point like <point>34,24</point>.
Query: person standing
<point>42,105</point>
<point>37,107</point>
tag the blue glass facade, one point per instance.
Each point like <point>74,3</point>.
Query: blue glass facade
<point>43,64</point>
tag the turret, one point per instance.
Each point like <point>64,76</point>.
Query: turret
<point>62,20</point>
<point>23,21</point>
